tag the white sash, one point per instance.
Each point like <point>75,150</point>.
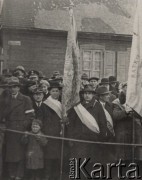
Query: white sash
<point>86,118</point>
<point>55,105</point>
<point>109,120</point>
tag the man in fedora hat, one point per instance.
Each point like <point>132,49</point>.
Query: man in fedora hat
<point>105,83</point>
<point>87,122</point>
<point>104,95</point>
<point>113,85</point>
<point>18,118</point>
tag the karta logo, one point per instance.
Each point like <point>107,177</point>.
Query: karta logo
<point>84,168</point>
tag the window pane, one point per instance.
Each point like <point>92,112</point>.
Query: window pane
<point>96,73</point>
<point>87,56</point>
<point>86,65</point>
<point>96,65</point>
<point>97,56</point>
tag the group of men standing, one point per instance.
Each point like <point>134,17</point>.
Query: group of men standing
<point>101,115</point>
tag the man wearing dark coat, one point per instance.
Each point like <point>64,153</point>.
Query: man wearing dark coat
<point>40,108</point>
<point>82,131</point>
<point>18,118</point>
<point>104,100</point>
<point>52,127</point>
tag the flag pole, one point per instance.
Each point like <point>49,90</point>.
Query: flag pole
<point>133,137</point>
<point>62,150</point>
<point>63,122</point>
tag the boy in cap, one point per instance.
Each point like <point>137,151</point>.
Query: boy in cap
<point>35,142</point>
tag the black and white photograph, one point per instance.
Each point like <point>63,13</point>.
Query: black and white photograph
<point>70,89</point>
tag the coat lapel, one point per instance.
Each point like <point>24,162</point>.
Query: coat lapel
<point>16,102</point>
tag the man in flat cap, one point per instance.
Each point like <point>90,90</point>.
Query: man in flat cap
<point>33,75</point>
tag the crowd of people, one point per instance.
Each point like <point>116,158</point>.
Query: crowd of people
<point>30,111</point>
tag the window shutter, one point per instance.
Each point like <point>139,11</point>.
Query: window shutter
<point>122,66</point>
<point>109,63</point>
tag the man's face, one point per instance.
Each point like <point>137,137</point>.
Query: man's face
<point>88,96</point>
<point>20,74</point>
<point>38,97</point>
<point>94,83</point>
<point>55,93</point>
<point>32,88</point>
<point>34,78</point>
<point>14,90</point>
<point>105,97</point>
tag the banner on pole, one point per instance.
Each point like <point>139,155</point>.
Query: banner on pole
<point>71,79</point>
<point>134,89</point>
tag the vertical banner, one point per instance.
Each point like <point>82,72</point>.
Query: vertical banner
<point>71,78</point>
<point>134,89</point>
<point>1,5</point>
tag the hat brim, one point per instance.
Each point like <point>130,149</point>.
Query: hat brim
<point>104,93</point>
<point>54,87</point>
<point>83,91</point>
<point>20,70</point>
<point>39,92</point>
<point>14,84</point>
<point>113,82</point>
<point>97,79</point>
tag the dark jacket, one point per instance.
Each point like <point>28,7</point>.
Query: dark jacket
<point>123,130</point>
<point>40,112</point>
<point>19,117</point>
<point>77,130</point>
<point>52,127</point>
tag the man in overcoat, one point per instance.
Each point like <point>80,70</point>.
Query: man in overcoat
<point>104,101</point>
<point>18,118</point>
<point>52,127</point>
<point>81,131</point>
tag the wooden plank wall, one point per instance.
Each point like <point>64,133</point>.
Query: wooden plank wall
<point>45,51</point>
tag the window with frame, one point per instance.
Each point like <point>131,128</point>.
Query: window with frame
<point>92,63</point>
